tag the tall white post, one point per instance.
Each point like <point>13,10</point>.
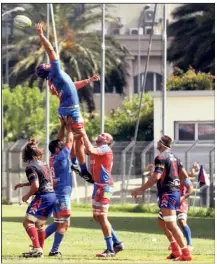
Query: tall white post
<point>165,71</point>
<point>102,87</point>
<point>47,108</point>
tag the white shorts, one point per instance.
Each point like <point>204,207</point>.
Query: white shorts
<point>181,216</point>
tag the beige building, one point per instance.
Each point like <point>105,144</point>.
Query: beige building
<point>190,115</point>
<point>128,34</point>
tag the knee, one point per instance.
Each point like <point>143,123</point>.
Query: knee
<point>62,228</point>
<point>26,223</point>
<point>102,218</point>
<point>95,217</point>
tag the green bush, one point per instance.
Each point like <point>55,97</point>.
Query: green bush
<point>150,209</point>
<point>190,80</point>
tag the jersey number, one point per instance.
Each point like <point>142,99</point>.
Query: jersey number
<point>174,168</point>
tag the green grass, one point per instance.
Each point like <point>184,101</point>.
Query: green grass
<point>84,238</point>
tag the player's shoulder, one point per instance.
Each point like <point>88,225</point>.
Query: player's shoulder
<point>29,168</point>
<point>160,157</point>
<point>104,149</point>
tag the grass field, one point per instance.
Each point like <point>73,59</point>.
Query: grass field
<point>144,242</point>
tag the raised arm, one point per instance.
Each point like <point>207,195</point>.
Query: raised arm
<point>88,146</point>
<point>81,84</point>
<point>46,43</point>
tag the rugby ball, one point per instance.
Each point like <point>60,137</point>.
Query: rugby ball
<point>21,21</point>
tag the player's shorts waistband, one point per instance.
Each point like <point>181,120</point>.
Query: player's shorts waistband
<point>70,107</point>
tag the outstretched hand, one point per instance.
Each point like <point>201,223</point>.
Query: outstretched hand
<point>136,192</point>
<point>94,78</point>
<point>18,185</point>
<point>39,29</point>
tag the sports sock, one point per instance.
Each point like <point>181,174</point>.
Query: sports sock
<point>57,240</point>
<point>41,237</point>
<point>109,243</point>
<point>50,230</point>
<point>33,234</point>
<point>114,237</point>
<point>74,160</point>
<point>175,246</point>
<point>187,233</point>
<point>83,167</point>
<point>186,251</point>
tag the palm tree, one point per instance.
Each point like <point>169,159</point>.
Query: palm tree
<point>80,50</point>
<point>193,37</point>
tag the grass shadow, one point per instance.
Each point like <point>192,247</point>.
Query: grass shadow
<point>201,228</point>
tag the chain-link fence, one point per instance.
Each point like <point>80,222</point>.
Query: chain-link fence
<point>13,171</point>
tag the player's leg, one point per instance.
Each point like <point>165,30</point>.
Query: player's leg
<point>78,123</point>
<point>50,230</point>
<point>169,204</point>
<point>62,226</point>
<point>32,216</point>
<point>29,225</point>
<point>75,164</point>
<point>62,212</point>
<point>163,227</point>
<point>45,210</point>
<point>173,244</point>
<point>101,201</point>
<point>182,220</point>
<point>40,225</point>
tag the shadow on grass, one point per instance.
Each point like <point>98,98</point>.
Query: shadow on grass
<point>201,228</point>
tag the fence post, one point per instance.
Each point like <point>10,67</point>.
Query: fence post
<point>143,163</point>
<point>186,154</point>
<point>123,161</point>
<point>211,187</point>
<point>9,165</point>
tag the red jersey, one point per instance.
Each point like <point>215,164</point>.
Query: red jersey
<point>184,188</point>
<point>101,165</point>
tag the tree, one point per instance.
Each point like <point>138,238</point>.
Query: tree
<point>193,37</point>
<point>24,108</point>
<point>80,50</point>
<point>24,113</point>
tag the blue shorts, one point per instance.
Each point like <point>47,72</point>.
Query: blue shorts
<point>73,112</point>
<point>170,200</point>
<point>42,205</point>
<point>62,206</point>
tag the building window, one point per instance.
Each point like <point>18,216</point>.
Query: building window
<point>185,131</point>
<point>206,131</point>
<point>153,82</point>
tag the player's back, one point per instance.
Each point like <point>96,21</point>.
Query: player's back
<point>60,165</point>
<point>101,165</point>
<point>64,86</point>
<point>37,169</point>
<point>169,181</point>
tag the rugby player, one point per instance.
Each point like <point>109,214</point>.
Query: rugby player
<point>101,162</point>
<point>40,182</point>
<point>62,85</point>
<point>167,174</point>
<point>60,167</point>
